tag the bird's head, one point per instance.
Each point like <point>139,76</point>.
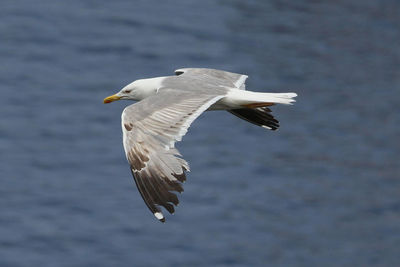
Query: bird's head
<point>136,90</point>
<point>128,92</point>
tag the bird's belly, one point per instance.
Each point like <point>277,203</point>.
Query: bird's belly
<point>223,104</point>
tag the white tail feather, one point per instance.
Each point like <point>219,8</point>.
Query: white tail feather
<point>239,98</point>
<point>281,98</point>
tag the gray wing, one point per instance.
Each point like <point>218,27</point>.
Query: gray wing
<point>150,129</point>
<point>225,78</point>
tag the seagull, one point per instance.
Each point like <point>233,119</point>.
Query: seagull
<point>166,108</point>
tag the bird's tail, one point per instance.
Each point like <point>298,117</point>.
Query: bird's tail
<point>248,99</point>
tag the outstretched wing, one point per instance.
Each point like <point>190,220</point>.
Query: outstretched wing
<point>225,78</point>
<point>150,129</point>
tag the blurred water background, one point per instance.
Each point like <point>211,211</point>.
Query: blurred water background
<point>321,191</point>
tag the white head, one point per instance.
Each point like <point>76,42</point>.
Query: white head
<point>137,90</point>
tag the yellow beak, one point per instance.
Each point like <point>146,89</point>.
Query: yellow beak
<point>111,98</point>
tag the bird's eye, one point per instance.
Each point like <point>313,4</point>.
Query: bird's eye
<point>127,91</point>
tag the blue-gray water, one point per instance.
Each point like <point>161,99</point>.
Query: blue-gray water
<point>324,190</point>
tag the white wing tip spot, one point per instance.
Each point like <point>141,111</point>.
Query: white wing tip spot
<point>159,216</point>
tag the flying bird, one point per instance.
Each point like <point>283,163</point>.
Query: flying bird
<point>166,108</point>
